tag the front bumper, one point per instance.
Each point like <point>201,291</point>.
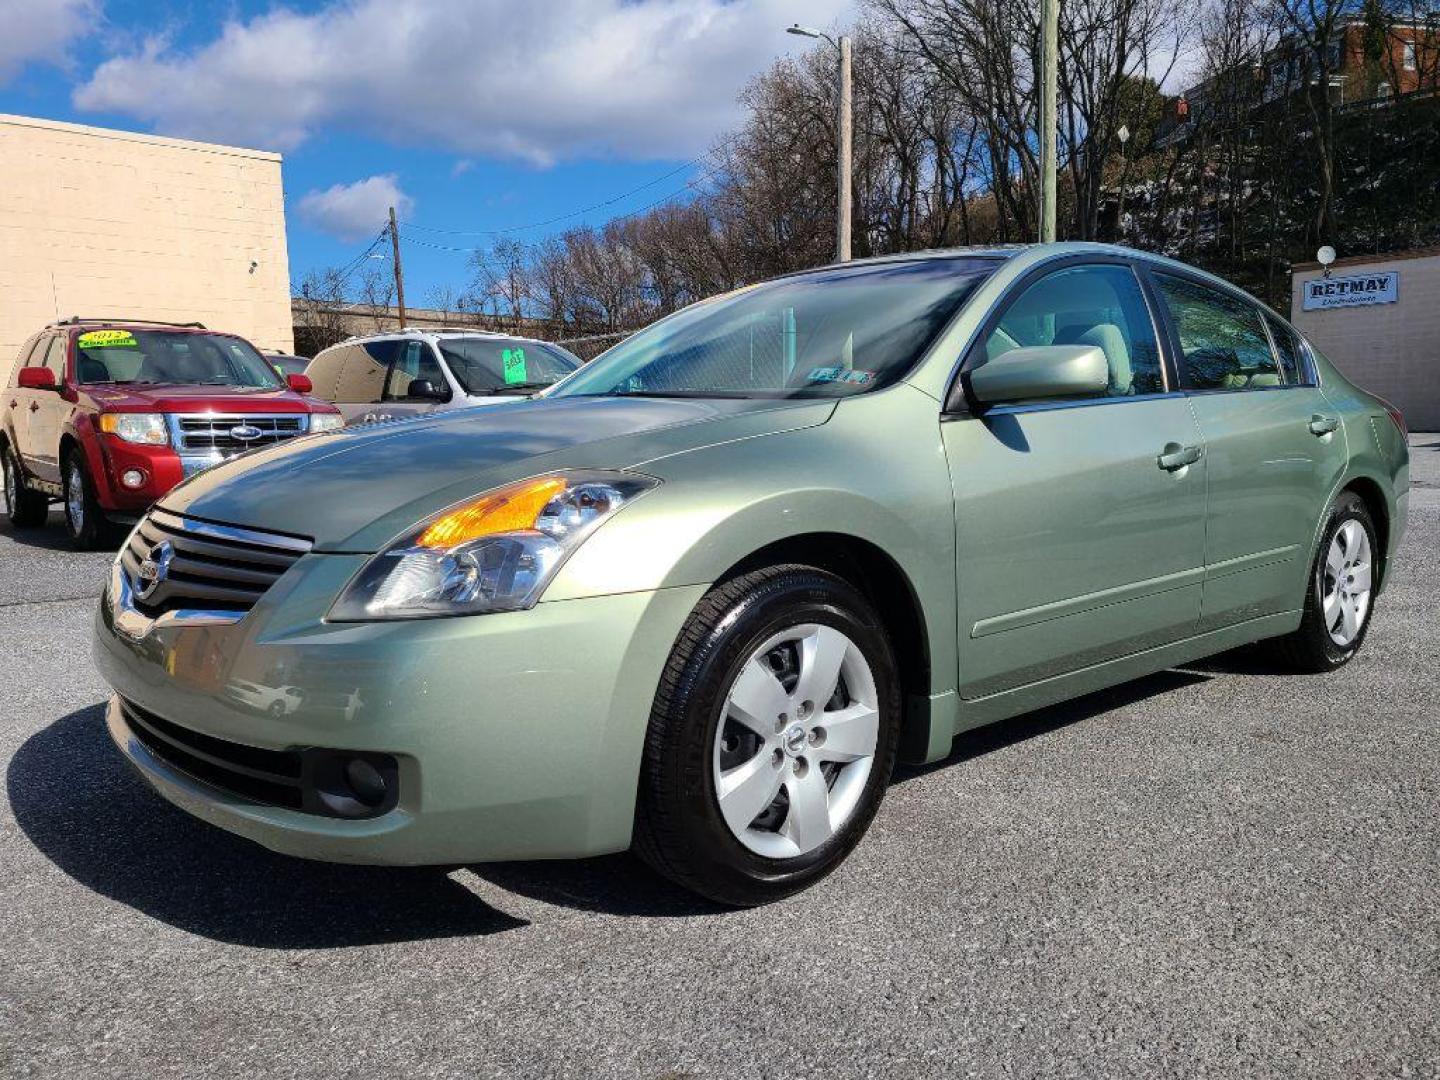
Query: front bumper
<point>518,735</point>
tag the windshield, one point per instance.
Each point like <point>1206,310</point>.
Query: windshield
<point>162,356</point>
<point>833,333</point>
<point>503,365</point>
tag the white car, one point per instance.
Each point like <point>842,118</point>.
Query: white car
<point>412,372</point>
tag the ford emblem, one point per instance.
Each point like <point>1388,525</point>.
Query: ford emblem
<point>245,432</point>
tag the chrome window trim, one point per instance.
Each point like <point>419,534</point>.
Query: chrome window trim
<point>1076,403</point>
<point>255,537</point>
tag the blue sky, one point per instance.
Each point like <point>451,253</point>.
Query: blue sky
<point>471,115</point>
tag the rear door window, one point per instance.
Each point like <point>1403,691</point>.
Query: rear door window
<point>22,359</point>
<point>1223,344</point>
<point>1290,351</point>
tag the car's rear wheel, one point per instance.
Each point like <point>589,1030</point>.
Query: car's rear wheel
<point>1340,596</point>
<point>772,737</point>
<point>84,520</point>
<point>24,509</point>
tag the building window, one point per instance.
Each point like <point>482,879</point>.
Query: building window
<point>1408,55</point>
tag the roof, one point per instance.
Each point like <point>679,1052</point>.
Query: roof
<point>12,120</point>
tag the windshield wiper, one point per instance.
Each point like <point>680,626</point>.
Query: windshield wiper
<point>518,388</point>
<point>742,394</point>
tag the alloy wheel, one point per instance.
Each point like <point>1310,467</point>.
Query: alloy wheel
<point>796,741</point>
<point>75,500</point>
<point>12,485</point>
<point>1345,583</point>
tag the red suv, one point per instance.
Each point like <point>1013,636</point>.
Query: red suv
<point>107,416</point>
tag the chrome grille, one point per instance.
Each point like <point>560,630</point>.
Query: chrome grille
<point>206,567</point>
<point>207,431</point>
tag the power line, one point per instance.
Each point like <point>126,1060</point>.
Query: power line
<point>689,185</point>
<point>560,217</point>
<point>705,158</point>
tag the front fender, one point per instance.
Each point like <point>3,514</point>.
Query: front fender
<point>876,472</point>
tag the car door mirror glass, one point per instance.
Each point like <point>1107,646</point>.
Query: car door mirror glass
<point>1040,373</point>
<point>425,390</point>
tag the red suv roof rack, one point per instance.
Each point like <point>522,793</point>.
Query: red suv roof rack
<point>77,320</point>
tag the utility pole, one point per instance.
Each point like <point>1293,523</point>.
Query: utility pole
<point>844,138</point>
<point>847,140</point>
<point>1049,62</point>
<point>399,270</point>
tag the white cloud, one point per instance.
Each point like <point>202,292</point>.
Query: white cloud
<point>537,82</point>
<point>352,212</point>
<point>41,30</point>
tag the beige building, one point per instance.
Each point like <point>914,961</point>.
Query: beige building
<point>103,223</point>
<point>1378,319</point>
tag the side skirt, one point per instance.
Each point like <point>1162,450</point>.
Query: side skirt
<point>966,715</point>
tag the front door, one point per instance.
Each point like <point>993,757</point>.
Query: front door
<point>1274,446</point>
<point>414,364</point>
<point>1079,524</point>
<point>45,413</point>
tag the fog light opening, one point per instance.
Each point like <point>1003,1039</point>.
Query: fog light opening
<point>133,478</point>
<point>367,783</point>
<point>352,785</point>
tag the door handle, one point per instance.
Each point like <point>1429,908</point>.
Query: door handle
<point>34,406</point>
<point>1175,457</point>
<point>1323,425</point>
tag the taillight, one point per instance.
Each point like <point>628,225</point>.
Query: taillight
<point>1397,416</point>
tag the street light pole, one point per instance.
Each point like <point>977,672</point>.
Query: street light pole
<point>845,138</point>
<point>1049,62</point>
<point>844,166</point>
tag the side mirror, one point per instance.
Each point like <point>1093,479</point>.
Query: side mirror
<point>424,388</point>
<point>37,378</point>
<point>1041,372</point>
<point>301,384</point>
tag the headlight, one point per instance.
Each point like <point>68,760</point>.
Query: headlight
<point>137,427</point>
<point>325,421</point>
<point>493,553</point>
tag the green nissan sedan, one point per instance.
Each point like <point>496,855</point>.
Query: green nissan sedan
<point>700,598</point>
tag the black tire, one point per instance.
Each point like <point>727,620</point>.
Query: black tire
<point>92,530</point>
<point>1310,648</point>
<point>24,509</point>
<point>679,829</point>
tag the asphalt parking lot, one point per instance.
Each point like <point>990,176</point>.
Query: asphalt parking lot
<point>1220,870</point>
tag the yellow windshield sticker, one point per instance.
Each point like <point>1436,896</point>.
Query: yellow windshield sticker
<point>106,339</point>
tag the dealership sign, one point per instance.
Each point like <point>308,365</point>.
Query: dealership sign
<point>1357,290</point>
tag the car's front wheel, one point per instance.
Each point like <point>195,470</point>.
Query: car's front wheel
<point>84,520</point>
<point>772,737</point>
<point>1340,595</point>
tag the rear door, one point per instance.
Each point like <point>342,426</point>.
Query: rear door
<point>1075,543</point>
<point>17,399</point>
<point>1274,446</point>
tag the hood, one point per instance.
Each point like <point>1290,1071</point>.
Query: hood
<point>357,488</point>
<point>182,398</point>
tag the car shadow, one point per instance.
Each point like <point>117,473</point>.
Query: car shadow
<point>51,536</point>
<point>978,742</point>
<point>85,809</point>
